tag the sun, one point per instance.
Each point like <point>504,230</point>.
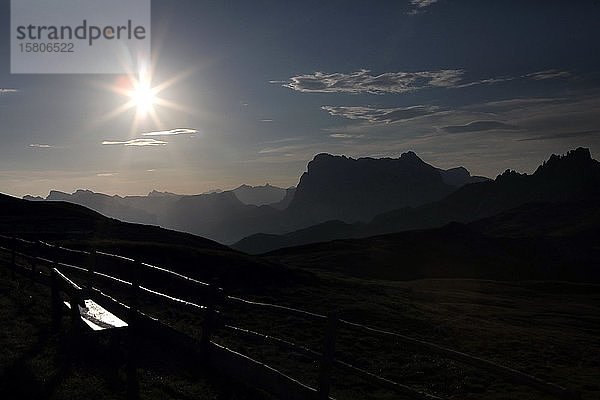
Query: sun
<point>143,96</point>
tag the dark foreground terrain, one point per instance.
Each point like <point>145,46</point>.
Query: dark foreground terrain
<point>548,329</point>
<point>38,363</point>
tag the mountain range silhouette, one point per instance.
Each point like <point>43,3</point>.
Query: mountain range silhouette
<point>333,187</point>
<point>572,177</point>
<point>543,225</point>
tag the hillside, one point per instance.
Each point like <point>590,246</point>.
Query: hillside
<point>579,219</point>
<point>455,251</point>
<point>77,226</point>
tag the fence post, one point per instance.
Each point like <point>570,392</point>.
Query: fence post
<point>210,319</point>
<point>133,390</point>
<point>55,300</point>
<point>135,288</point>
<point>328,357</point>
<point>91,267</point>
<point>34,260</point>
<point>74,301</point>
<point>13,255</point>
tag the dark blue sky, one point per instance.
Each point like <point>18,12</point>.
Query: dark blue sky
<point>269,84</point>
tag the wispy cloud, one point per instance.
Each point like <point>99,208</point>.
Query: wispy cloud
<point>548,74</point>
<point>266,120</point>
<point>287,150</point>
<point>136,142</point>
<point>423,3</point>
<point>285,140</point>
<point>487,81</point>
<point>536,76</point>
<point>6,91</point>
<point>172,132</point>
<point>280,149</point>
<point>346,136</point>
<point>480,126</point>
<point>518,102</point>
<point>564,135</point>
<point>381,115</point>
<point>485,137</point>
<point>420,5</point>
<point>41,146</point>
<point>401,82</point>
<point>364,82</point>
<point>144,142</point>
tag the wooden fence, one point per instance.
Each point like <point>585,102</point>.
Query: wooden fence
<point>44,265</point>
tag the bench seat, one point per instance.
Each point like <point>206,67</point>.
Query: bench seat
<point>98,318</point>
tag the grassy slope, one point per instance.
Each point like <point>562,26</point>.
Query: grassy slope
<point>63,221</point>
<point>75,226</point>
<point>550,329</point>
<point>453,251</point>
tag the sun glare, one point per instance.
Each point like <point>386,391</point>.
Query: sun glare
<point>143,97</point>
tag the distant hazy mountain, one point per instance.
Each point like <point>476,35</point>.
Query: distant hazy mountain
<point>259,195</point>
<point>156,193</point>
<point>207,214</point>
<point>286,201</point>
<point>573,177</point>
<point>217,215</point>
<point>33,198</point>
<point>211,191</point>
<point>112,206</point>
<point>334,187</point>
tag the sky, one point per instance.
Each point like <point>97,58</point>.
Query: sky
<point>253,90</point>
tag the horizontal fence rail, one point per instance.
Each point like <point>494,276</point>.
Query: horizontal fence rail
<point>273,339</point>
<point>224,358</point>
<point>508,372</point>
<point>277,306</point>
<point>386,383</point>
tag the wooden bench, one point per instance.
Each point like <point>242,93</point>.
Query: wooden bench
<point>96,317</point>
<point>93,315</point>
